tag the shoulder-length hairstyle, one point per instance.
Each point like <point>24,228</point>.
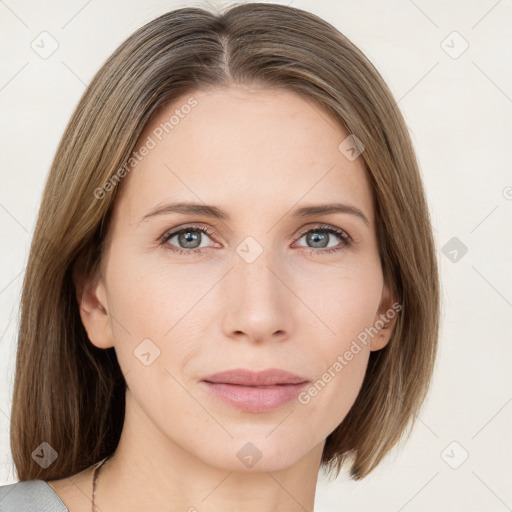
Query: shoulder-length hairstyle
<point>70,394</point>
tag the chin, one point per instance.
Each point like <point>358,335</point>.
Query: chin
<point>255,453</point>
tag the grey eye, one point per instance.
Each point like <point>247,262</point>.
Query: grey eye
<point>188,238</point>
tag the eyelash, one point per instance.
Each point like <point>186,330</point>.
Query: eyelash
<point>346,239</point>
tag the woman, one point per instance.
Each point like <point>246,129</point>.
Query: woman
<point>232,281</point>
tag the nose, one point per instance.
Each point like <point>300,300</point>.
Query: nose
<point>259,305</point>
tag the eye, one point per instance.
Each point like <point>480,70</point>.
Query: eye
<point>189,238</point>
<point>319,236</point>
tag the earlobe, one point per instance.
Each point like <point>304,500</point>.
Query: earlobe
<point>93,308</point>
<point>381,339</point>
<point>385,320</point>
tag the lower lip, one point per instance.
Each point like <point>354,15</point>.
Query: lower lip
<point>256,399</point>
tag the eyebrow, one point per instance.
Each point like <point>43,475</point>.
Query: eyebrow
<point>218,213</point>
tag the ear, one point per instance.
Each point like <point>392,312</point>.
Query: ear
<point>92,304</point>
<point>385,319</point>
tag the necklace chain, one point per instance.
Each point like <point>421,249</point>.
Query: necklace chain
<point>94,480</point>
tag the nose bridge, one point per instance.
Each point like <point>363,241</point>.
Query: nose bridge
<point>255,282</point>
<point>255,277</point>
<point>258,303</point>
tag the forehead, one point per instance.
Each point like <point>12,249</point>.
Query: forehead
<point>253,151</point>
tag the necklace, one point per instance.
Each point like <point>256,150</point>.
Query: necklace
<point>94,480</point>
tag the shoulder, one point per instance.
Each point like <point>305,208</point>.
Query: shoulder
<point>30,496</point>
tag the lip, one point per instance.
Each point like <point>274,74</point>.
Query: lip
<point>255,391</point>
<point>242,377</point>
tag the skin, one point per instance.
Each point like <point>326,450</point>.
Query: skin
<point>257,153</point>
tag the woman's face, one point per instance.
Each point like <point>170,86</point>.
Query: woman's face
<point>262,288</point>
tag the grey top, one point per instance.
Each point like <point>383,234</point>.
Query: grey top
<point>30,496</point>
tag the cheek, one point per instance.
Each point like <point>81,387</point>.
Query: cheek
<point>158,321</point>
<point>328,399</point>
<point>346,304</point>
<point>149,298</point>
<point>343,300</point>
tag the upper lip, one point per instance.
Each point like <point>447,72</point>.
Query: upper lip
<point>241,377</point>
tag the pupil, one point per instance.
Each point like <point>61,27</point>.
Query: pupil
<point>316,238</point>
<point>189,238</point>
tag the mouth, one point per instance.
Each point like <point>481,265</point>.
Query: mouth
<point>255,391</point>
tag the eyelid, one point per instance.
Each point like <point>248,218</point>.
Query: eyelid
<point>327,227</point>
<point>175,231</point>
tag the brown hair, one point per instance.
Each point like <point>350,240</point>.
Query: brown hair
<point>71,394</point>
